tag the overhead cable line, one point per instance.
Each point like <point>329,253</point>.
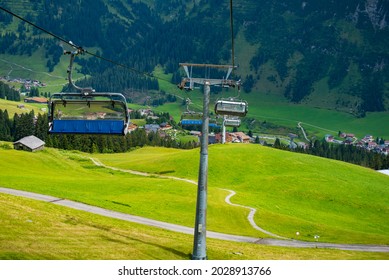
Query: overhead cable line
<point>82,50</point>
<point>232,36</point>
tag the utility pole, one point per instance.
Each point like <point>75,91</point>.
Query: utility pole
<point>200,230</point>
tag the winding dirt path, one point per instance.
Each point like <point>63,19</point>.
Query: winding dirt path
<point>250,216</point>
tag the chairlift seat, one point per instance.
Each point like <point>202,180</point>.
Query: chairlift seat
<point>232,122</point>
<point>88,127</point>
<point>232,108</point>
<point>97,113</point>
<point>191,116</point>
<point>188,122</point>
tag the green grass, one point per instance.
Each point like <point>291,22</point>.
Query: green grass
<point>11,107</point>
<point>315,120</point>
<point>38,230</point>
<point>292,192</point>
<point>34,67</point>
<point>341,203</point>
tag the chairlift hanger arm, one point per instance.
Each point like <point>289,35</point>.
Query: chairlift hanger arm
<point>202,81</point>
<point>207,65</point>
<point>189,79</point>
<point>85,91</point>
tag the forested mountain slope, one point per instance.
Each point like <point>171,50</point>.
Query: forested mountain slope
<point>330,54</point>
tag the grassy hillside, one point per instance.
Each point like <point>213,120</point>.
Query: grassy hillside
<point>34,67</point>
<point>38,230</point>
<point>316,121</point>
<point>291,192</point>
<point>11,107</point>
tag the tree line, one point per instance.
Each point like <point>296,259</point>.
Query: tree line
<point>8,93</point>
<point>27,124</point>
<point>346,153</point>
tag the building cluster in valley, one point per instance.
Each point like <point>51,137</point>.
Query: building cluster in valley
<point>27,83</point>
<point>368,142</point>
<point>165,128</point>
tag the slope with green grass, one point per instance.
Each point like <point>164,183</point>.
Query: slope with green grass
<point>291,192</point>
<point>12,107</point>
<point>341,203</point>
<point>39,230</point>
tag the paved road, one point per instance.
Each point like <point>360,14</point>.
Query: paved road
<point>188,230</point>
<point>303,131</point>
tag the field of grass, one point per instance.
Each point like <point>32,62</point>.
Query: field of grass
<point>292,192</point>
<point>12,108</point>
<point>316,121</point>
<point>34,68</point>
<point>38,230</point>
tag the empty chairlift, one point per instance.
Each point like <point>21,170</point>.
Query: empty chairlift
<point>231,107</point>
<point>98,113</point>
<point>86,111</point>
<point>231,122</point>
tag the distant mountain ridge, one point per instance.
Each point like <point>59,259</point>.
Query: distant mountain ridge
<point>332,54</point>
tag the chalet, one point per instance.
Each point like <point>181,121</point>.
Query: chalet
<point>132,127</point>
<point>40,100</point>
<point>329,138</point>
<point>240,137</point>
<point>165,126</point>
<point>152,127</point>
<point>29,143</point>
<point>145,112</point>
<point>219,137</point>
<point>368,138</point>
<point>372,145</point>
<point>347,135</point>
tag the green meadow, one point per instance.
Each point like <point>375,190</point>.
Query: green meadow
<point>12,107</point>
<point>316,121</point>
<point>39,230</point>
<point>292,192</point>
<point>341,203</point>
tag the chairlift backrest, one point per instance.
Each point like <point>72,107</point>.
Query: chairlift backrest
<point>231,107</point>
<point>192,116</point>
<point>92,113</point>
<point>232,122</point>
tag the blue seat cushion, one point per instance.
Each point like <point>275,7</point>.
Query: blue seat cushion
<point>88,126</point>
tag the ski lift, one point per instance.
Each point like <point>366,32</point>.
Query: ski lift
<point>87,112</point>
<point>189,118</point>
<point>231,107</point>
<point>100,113</point>
<point>194,122</point>
<point>232,122</point>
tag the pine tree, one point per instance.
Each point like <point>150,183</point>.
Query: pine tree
<point>41,127</point>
